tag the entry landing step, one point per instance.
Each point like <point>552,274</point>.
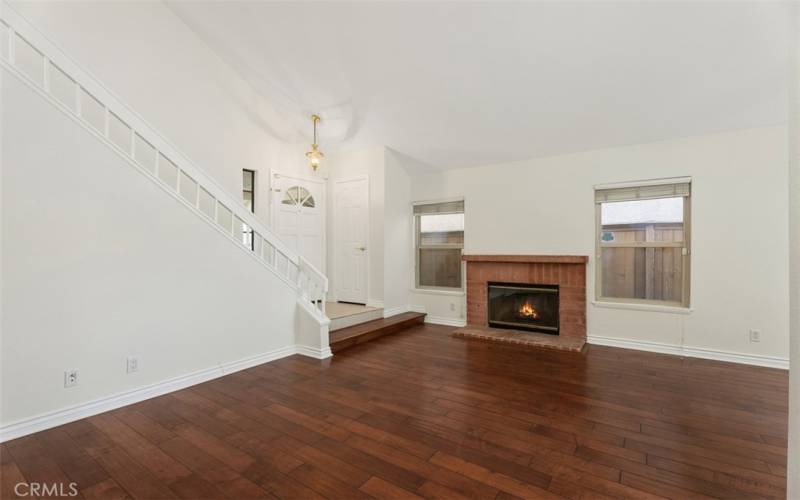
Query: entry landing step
<point>343,314</point>
<point>364,332</point>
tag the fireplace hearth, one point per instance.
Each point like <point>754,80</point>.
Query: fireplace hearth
<point>523,306</point>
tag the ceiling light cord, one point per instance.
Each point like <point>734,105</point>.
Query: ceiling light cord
<point>315,155</point>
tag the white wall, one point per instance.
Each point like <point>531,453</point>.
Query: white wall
<point>440,307</point>
<point>793,466</point>
<point>397,230</point>
<point>99,263</point>
<point>155,64</point>
<point>347,165</point>
<point>390,221</point>
<point>739,220</point>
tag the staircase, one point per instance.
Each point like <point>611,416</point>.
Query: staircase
<point>158,295</point>
<point>31,57</point>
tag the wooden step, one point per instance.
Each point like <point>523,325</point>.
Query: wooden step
<point>341,322</point>
<point>364,332</point>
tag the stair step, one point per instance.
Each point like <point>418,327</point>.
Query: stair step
<point>341,322</point>
<point>364,332</point>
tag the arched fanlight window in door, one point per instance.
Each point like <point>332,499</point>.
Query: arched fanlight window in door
<point>298,195</point>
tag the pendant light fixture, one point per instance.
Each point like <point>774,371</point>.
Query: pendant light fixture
<point>315,155</point>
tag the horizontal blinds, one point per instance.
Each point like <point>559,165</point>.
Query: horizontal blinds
<point>642,192</point>
<point>447,207</point>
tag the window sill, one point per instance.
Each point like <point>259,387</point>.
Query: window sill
<point>642,307</point>
<point>431,291</point>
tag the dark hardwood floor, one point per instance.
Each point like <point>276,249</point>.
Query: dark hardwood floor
<point>422,414</point>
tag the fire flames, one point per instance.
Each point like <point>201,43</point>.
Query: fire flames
<point>528,311</point>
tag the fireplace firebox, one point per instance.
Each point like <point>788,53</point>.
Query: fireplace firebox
<point>520,306</point>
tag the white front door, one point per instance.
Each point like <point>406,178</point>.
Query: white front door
<point>351,210</point>
<point>298,207</point>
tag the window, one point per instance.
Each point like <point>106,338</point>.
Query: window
<point>439,241</point>
<point>643,244</point>
<point>298,195</point>
<point>249,198</point>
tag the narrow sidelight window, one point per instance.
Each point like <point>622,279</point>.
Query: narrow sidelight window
<point>249,198</point>
<point>439,242</point>
<point>643,243</point>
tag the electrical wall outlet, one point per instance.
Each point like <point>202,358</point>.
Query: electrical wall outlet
<point>755,336</point>
<point>70,378</point>
<point>452,306</point>
<point>132,364</point>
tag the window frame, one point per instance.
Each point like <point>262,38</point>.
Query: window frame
<point>303,196</point>
<point>685,302</point>
<point>252,192</point>
<point>444,246</point>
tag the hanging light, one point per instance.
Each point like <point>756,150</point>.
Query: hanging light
<point>315,155</point>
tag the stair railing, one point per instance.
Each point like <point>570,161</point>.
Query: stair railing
<point>312,285</point>
<point>27,54</point>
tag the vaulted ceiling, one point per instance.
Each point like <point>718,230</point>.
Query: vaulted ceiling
<point>462,84</point>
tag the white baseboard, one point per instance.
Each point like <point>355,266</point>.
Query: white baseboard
<point>375,303</point>
<point>436,320</point>
<point>313,352</point>
<point>691,352</point>
<point>444,320</point>
<point>394,311</point>
<point>59,417</point>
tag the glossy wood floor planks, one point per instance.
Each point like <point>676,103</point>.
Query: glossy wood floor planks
<point>420,414</point>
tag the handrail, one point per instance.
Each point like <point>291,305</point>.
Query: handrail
<point>125,132</point>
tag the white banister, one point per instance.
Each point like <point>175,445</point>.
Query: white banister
<point>310,283</point>
<point>315,287</point>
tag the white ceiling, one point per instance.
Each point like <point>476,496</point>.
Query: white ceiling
<point>462,84</point>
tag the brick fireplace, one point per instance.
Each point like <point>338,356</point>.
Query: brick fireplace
<point>564,275</point>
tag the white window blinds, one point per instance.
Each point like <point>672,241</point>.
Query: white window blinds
<point>447,207</point>
<point>646,192</point>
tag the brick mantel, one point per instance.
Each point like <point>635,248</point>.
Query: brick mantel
<point>566,271</point>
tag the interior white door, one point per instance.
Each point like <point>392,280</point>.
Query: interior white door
<point>351,212</point>
<point>297,209</point>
